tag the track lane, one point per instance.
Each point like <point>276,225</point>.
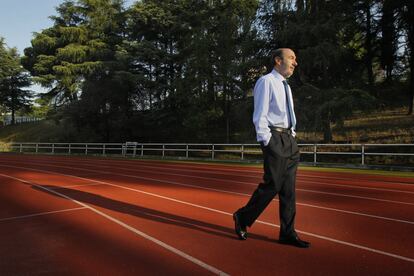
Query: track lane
<point>249,174</point>
<point>368,177</point>
<point>181,236</point>
<point>195,191</point>
<point>15,201</point>
<point>80,242</point>
<point>316,199</point>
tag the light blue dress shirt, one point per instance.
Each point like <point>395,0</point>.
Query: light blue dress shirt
<point>270,106</point>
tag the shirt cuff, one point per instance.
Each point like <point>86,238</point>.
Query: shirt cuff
<point>266,142</point>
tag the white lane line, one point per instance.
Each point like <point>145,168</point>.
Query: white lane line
<point>86,163</point>
<point>357,213</point>
<point>208,189</point>
<point>249,183</point>
<point>195,167</point>
<point>79,185</point>
<point>354,187</point>
<point>411,260</point>
<point>248,195</point>
<point>300,180</point>
<point>40,214</point>
<point>270,224</point>
<point>255,184</point>
<point>147,164</point>
<point>354,196</point>
<point>229,214</point>
<point>298,189</point>
<point>130,228</point>
<point>238,171</point>
<point>358,178</point>
<point>259,174</point>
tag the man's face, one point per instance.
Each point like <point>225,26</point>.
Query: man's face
<point>286,65</point>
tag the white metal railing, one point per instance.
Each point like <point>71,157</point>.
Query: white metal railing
<point>312,153</point>
<point>7,119</point>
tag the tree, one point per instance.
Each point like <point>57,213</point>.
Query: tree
<point>406,10</point>
<point>389,39</point>
<point>192,59</point>
<point>13,80</point>
<point>323,108</point>
<point>160,66</point>
<point>366,8</point>
<point>78,60</point>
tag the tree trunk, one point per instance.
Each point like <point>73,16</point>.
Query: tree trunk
<point>327,131</point>
<point>410,13</point>
<point>13,120</point>
<point>388,40</point>
<point>312,6</point>
<point>411,91</point>
<point>300,6</point>
<point>226,111</point>
<point>13,105</point>
<point>326,127</point>
<point>368,44</point>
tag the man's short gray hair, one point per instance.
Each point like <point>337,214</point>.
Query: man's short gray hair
<point>276,53</point>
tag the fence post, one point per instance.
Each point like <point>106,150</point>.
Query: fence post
<point>212,151</point>
<point>163,150</point>
<point>186,151</point>
<point>70,149</point>
<point>103,149</point>
<point>363,154</point>
<point>86,149</point>
<point>314,154</point>
<point>53,148</point>
<point>134,151</point>
<point>142,150</point>
<point>37,148</point>
<point>21,148</point>
<point>242,152</point>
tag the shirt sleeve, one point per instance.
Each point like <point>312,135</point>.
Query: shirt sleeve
<point>261,109</point>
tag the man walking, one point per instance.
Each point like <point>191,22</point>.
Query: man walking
<point>275,121</point>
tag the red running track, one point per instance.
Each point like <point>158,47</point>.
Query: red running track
<point>91,216</point>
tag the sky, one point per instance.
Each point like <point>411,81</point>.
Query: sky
<point>19,19</point>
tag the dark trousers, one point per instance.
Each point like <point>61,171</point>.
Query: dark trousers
<point>281,158</point>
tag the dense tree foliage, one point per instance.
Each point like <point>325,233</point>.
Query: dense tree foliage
<point>184,70</point>
<point>14,81</point>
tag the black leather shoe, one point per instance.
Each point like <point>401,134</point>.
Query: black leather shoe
<point>240,229</point>
<point>295,241</point>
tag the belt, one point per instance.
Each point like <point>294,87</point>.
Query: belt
<point>281,129</point>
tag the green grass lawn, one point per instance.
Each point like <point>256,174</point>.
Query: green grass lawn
<point>41,131</point>
<point>387,127</point>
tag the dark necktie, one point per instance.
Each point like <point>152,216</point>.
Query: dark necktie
<point>288,106</point>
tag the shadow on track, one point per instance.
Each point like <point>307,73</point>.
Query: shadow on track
<point>146,213</point>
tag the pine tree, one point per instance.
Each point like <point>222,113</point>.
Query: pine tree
<point>13,81</point>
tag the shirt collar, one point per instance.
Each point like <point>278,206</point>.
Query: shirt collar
<point>277,75</point>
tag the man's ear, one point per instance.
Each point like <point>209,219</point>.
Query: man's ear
<point>278,60</point>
